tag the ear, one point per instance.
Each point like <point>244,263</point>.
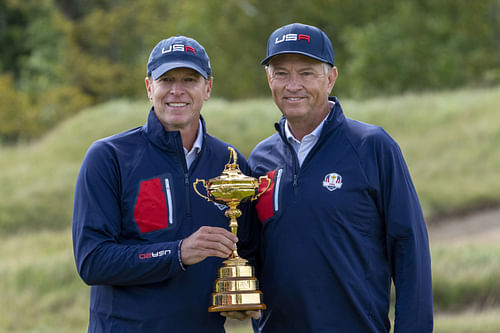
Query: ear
<point>149,88</point>
<point>332,77</point>
<point>208,89</point>
<point>268,76</point>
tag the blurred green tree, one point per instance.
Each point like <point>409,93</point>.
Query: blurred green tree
<point>21,115</point>
<point>64,55</point>
<point>423,45</point>
<point>13,49</point>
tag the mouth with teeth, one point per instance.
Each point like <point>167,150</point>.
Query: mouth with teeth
<point>176,104</point>
<point>294,99</point>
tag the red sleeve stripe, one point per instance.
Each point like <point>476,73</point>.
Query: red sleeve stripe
<point>265,204</point>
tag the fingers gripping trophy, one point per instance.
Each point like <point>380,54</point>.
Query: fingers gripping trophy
<point>236,288</point>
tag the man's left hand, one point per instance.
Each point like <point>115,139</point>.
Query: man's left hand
<point>241,315</point>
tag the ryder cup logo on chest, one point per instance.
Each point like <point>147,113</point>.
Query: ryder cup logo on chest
<point>332,181</point>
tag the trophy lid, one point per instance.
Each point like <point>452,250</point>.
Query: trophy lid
<point>232,171</point>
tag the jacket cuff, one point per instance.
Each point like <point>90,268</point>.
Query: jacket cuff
<point>179,255</point>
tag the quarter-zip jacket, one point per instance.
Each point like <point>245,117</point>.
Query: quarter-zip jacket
<point>337,230</point>
<point>134,202</point>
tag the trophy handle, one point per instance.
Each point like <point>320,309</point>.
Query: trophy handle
<point>196,189</point>
<point>232,155</point>
<point>267,187</point>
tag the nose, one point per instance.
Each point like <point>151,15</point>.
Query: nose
<point>293,82</point>
<point>176,88</point>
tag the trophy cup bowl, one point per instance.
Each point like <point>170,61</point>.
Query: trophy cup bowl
<point>236,287</point>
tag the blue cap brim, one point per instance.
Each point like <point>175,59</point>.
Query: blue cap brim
<point>266,61</point>
<point>168,66</point>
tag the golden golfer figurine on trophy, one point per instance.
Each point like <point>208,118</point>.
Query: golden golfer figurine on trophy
<point>236,288</point>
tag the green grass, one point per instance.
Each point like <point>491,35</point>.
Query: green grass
<point>39,284</point>
<point>487,321</point>
<point>466,276</point>
<point>41,291</point>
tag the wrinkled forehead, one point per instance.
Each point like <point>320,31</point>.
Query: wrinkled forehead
<point>295,60</point>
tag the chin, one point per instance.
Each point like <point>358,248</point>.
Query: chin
<point>293,113</point>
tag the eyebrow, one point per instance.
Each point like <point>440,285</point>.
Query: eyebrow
<point>281,67</point>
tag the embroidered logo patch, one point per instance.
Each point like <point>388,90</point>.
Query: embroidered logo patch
<point>332,181</point>
<point>220,206</point>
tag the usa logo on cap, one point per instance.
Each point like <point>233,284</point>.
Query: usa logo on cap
<point>292,38</point>
<point>301,39</point>
<point>332,181</point>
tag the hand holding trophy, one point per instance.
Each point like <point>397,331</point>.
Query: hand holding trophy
<point>236,288</point>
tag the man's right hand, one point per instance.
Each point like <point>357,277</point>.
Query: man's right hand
<point>207,242</point>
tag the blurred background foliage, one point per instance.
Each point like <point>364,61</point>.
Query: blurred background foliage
<point>59,56</point>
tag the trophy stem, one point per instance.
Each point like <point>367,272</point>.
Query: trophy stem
<point>233,213</point>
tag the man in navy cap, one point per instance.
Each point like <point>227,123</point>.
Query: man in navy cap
<point>341,220</point>
<point>146,243</point>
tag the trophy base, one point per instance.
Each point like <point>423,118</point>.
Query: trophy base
<point>236,307</point>
<point>236,289</point>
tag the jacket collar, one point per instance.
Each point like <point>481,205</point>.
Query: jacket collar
<point>169,141</point>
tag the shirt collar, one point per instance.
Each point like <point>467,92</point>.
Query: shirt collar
<point>198,142</point>
<point>315,133</point>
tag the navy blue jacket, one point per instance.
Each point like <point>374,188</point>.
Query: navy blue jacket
<point>337,230</point>
<point>134,202</point>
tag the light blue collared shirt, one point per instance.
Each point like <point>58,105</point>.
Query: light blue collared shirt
<point>191,155</point>
<point>302,148</point>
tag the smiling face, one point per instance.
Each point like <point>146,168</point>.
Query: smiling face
<point>177,97</point>
<point>300,88</point>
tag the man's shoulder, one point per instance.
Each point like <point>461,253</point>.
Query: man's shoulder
<point>362,129</point>
<point>268,143</point>
<point>219,148</point>
<point>116,143</point>
<point>125,137</point>
<point>364,134</point>
<point>266,154</point>
<point>216,143</point>
<point>266,146</point>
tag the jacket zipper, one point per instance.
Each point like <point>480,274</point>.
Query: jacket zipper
<point>295,158</point>
<point>295,185</point>
<point>169,202</point>
<point>182,157</point>
<point>188,202</point>
<point>277,190</point>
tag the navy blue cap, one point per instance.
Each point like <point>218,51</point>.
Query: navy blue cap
<point>176,52</point>
<point>300,39</point>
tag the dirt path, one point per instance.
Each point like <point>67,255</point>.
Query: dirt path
<point>478,227</point>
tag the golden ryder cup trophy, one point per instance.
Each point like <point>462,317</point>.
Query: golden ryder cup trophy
<point>236,288</point>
